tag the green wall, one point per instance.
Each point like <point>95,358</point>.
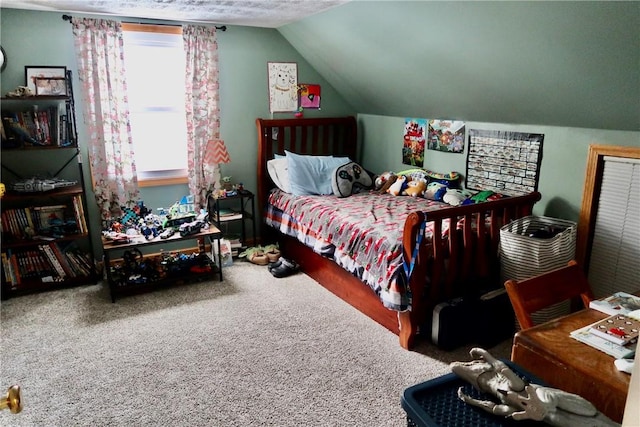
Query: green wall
<point>43,38</point>
<point>556,63</point>
<point>562,172</point>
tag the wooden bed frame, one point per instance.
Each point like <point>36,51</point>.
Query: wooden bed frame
<point>471,260</point>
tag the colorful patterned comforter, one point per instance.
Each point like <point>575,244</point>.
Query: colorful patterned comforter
<point>362,232</point>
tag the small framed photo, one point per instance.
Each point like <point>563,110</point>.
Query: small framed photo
<point>51,86</point>
<point>50,79</point>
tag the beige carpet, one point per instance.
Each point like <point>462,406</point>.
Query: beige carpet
<point>251,350</point>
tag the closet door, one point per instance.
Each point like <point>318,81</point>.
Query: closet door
<point>609,227</point>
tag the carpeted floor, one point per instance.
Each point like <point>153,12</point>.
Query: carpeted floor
<point>251,350</point>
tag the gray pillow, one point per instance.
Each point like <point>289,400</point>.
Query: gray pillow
<point>347,178</point>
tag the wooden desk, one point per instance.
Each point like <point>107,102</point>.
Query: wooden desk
<point>548,352</point>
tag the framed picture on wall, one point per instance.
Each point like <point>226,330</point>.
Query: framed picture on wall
<point>283,86</point>
<point>309,95</point>
<point>40,73</point>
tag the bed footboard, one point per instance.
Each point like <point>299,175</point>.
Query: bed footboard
<point>467,260</point>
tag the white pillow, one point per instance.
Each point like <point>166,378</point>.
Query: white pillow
<point>279,172</point>
<point>312,174</point>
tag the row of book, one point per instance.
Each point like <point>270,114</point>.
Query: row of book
<point>44,221</point>
<point>616,335</point>
<point>48,262</point>
<point>39,126</point>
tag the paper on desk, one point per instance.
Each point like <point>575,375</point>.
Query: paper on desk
<point>585,336</point>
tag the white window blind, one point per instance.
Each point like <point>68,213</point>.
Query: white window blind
<point>615,255</point>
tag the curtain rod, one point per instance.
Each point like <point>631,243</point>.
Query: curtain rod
<point>70,18</point>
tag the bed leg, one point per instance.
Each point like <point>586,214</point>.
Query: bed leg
<point>408,330</point>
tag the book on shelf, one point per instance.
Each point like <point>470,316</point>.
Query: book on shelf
<point>234,240</point>
<point>40,126</point>
<point>619,329</point>
<point>63,260</point>
<point>229,214</point>
<point>44,269</point>
<point>15,272</point>
<point>78,211</point>
<point>51,257</point>
<point>79,261</point>
<point>585,336</point>
<point>618,303</point>
<point>6,268</point>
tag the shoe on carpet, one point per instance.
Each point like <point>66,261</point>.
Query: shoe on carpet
<point>255,255</point>
<point>275,264</point>
<point>286,268</point>
<point>272,252</point>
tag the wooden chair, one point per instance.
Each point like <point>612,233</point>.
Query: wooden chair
<point>533,294</point>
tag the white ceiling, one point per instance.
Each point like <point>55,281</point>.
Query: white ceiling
<point>261,13</point>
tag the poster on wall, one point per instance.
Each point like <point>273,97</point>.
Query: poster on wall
<point>415,131</point>
<point>446,135</point>
<point>504,162</point>
<point>283,86</point>
<point>309,95</point>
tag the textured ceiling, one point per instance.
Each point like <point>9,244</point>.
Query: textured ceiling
<point>265,13</point>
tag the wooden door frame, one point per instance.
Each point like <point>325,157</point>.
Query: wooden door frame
<point>591,195</point>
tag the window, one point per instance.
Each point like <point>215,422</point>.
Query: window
<point>155,69</point>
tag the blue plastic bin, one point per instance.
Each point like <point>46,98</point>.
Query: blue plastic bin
<point>435,403</point>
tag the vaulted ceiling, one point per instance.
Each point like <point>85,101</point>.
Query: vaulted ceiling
<point>561,63</point>
<point>574,64</point>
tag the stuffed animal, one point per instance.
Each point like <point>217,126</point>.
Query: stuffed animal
<point>386,185</point>
<point>398,186</point>
<point>435,191</point>
<point>456,197</point>
<point>382,179</point>
<point>415,188</point>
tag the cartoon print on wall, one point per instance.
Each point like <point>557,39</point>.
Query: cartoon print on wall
<point>415,131</point>
<point>309,95</point>
<point>283,86</point>
<point>446,135</point>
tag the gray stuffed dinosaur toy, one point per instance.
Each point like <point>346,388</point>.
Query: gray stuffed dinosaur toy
<point>522,401</point>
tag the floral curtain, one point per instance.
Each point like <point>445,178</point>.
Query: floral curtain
<point>100,57</point>
<point>202,108</point>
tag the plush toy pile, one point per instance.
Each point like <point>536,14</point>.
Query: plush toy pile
<point>431,185</point>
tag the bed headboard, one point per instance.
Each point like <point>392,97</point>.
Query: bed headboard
<point>336,136</point>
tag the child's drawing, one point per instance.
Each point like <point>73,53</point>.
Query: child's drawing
<point>283,86</point>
